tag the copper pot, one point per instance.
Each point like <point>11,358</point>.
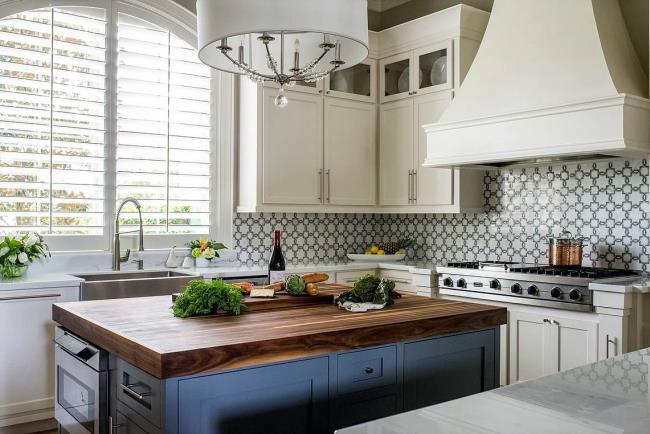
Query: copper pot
<point>565,250</point>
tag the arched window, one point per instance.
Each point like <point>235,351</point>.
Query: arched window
<point>99,103</point>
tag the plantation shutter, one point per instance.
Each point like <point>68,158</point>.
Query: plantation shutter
<point>52,124</point>
<point>163,129</point>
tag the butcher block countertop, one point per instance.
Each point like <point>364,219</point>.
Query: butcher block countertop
<point>144,332</point>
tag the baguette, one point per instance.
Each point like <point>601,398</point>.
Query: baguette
<point>278,286</point>
<point>245,287</point>
<point>315,277</point>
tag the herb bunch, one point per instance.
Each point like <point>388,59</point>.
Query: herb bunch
<point>202,298</point>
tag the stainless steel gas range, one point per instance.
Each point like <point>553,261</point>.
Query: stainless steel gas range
<point>538,285</point>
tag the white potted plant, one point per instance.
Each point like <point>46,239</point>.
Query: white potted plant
<point>204,251</point>
<point>18,251</point>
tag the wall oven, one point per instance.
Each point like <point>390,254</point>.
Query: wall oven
<point>81,385</point>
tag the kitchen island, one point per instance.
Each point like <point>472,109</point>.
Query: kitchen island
<point>297,370</point>
<point>610,396</point>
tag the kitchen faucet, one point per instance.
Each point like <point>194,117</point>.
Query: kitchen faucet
<point>117,259</point>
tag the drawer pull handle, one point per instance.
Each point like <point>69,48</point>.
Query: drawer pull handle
<point>127,388</point>
<point>30,297</point>
<point>369,370</point>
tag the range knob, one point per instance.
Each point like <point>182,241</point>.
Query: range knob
<point>461,283</point>
<point>495,284</point>
<point>516,288</point>
<point>556,292</point>
<point>449,282</point>
<point>532,290</point>
<point>575,294</point>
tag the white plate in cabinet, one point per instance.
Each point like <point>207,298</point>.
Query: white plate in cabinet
<point>395,77</point>
<point>293,149</point>
<point>350,152</point>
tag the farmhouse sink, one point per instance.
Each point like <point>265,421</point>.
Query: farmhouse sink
<point>127,284</point>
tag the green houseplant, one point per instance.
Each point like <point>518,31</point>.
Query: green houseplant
<point>18,251</point>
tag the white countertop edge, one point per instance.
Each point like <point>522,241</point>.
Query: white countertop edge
<point>35,280</point>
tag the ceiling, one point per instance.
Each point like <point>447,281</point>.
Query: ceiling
<point>383,5</point>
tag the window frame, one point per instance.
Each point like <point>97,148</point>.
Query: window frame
<point>182,22</point>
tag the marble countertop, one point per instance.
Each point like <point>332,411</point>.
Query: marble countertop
<point>36,279</point>
<point>610,396</point>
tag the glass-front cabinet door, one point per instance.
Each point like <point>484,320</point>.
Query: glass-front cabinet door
<point>395,77</point>
<point>434,67</point>
<point>358,82</point>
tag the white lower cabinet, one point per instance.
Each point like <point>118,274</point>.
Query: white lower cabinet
<point>27,353</point>
<point>543,344</point>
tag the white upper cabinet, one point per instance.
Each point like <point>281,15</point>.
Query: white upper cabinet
<point>357,83</point>
<point>353,143</point>
<point>350,153</point>
<point>293,149</point>
<point>395,77</point>
<point>432,186</point>
<point>433,68</point>
<point>415,72</point>
<point>396,153</point>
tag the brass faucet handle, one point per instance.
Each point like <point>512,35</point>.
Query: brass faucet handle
<point>126,256</point>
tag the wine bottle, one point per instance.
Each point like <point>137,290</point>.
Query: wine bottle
<point>276,264</point>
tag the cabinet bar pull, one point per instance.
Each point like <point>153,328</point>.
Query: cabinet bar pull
<point>112,427</point>
<point>400,281</point>
<point>327,173</point>
<point>320,185</point>
<point>607,342</point>
<point>415,186</point>
<point>30,297</point>
<point>409,186</point>
<point>127,389</point>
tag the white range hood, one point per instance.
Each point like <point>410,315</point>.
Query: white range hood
<point>552,79</point>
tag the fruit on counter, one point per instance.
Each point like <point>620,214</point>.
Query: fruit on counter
<point>311,289</point>
<point>294,284</point>
<point>392,247</point>
<point>389,248</point>
<point>315,277</point>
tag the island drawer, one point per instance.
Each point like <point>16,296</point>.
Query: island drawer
<point>366,369</point>
<point>127,421</point>
<point>139,391</point>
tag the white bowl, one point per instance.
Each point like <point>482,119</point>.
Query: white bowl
<point>375,258</point>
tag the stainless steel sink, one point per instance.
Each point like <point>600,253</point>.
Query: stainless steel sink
<point>127,284</point>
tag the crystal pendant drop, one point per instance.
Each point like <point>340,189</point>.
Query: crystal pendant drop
<point>281,100</point>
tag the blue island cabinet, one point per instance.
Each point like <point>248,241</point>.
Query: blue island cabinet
<point>287,398</point>
<point>308,396</point>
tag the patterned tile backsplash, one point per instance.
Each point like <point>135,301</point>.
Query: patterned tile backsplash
<point>604,201</point>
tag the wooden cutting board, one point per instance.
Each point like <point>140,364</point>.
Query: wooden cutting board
<point>282,300</point>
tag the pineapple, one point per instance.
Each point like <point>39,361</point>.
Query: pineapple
<point>392,247</point>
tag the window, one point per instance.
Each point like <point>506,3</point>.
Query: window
<point>52,100</point>
<point>93,111</point>
<point>163,129</point>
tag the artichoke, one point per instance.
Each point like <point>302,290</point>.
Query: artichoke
<point>294,284</point>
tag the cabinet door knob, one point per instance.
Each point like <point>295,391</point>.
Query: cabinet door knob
<point>369,370</point>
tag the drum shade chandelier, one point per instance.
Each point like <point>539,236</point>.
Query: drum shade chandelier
<point>282,41</point>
